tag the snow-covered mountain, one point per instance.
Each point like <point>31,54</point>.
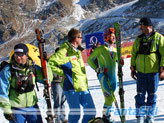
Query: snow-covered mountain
<point>19,19</point>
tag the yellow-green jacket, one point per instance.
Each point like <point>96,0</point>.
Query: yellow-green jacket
<point>148,63</point>
<point>68,62</point>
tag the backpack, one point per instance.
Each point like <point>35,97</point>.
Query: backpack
<point>3,64</point>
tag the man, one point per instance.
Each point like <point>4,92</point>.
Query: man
<point>105,65</point>
<point>59,98</point>
<point>68,62</point>
<point>146,61</point>
<point>18,98</point>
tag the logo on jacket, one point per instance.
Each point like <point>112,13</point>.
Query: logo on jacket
<point>74,58</point>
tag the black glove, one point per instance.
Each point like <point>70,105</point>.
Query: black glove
<point>10,117</point>
<point>134,75</point>
<point>133,72</point>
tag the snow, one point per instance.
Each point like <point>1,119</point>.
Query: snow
<point>118,10</point>
<point>78,12</point>
<point>95,89</point>
<point>43,3</point>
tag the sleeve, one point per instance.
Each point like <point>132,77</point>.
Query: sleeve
<point>92,59</point>
<point>161,50</point>
<point>57,59</point>
<point>134,52</point>
<point>5,75</point>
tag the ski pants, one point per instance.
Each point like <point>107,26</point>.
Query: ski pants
<point>59,99</point>
<point>106,89</point>
<point>30,115</point>
<point>75,99</point>
<point>146,83</point>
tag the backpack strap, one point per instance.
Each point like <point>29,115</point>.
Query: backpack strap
<point>141,42</point>
<point>33,69</point>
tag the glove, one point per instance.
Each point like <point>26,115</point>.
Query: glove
<point>10,117</point>
<point>133,73</point>
<point>102,70</point>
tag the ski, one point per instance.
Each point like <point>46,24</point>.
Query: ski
<point>47,90</point>
<point>120,73</point>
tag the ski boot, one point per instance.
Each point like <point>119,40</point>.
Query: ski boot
<point>140,119</point>
<point>107,119</point>
<point>107,116</point>
<point>150,119</point>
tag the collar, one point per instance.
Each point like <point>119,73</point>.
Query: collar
<point>108,45</point>
<point>74,48</point>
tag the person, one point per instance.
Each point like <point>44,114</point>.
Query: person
<point>58,98</point>
<point>18,98</point>
<point>75,85</point>
<point>106,65</point>
<point>147,58</point>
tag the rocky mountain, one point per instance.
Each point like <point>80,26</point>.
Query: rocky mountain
<point>20,18</point>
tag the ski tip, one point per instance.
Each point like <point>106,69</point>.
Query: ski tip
<point>116,24</point>
<point>37,31</point>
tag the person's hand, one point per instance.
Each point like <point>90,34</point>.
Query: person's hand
<point>101,70</point>
<point>10,116</point>
<point>161,76</point>
<point>133,73</point>
<point>97,70</point>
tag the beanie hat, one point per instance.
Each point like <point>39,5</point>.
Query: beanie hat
<point>22,48</point>
<point>145,21</point>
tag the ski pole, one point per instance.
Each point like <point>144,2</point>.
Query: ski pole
<point>115,101</point>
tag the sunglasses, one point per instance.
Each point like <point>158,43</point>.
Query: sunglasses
<point>80,37</point>
<point>19,54</point>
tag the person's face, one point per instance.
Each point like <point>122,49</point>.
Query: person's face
<point>112,38</point>
<point>146,29</point>
<point>20,58</point>
<point>79,39</point>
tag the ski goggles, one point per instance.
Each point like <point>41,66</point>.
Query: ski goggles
<point>19,54</point>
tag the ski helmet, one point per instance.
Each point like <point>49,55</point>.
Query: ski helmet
<point>107,33</point>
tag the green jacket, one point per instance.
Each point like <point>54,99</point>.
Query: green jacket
<point>10,97</point>
<point>68,62</point>
<point>106,58</point>
<point>148,63</point>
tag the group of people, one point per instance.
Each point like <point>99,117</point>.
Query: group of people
<point>67,73</point>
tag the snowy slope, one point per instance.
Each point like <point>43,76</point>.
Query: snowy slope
<point>94,87</point>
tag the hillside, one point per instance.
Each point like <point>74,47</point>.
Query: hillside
<point>19,19</point>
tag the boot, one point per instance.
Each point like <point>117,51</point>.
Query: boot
<point>107,119</point>
<point>107,115</point>
<point>150,119</point>
<point>140,119</point>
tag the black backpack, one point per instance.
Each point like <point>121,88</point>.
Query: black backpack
<point>99,120</point>
<point>3,64</point>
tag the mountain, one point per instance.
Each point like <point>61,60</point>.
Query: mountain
<point>19,19</point>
